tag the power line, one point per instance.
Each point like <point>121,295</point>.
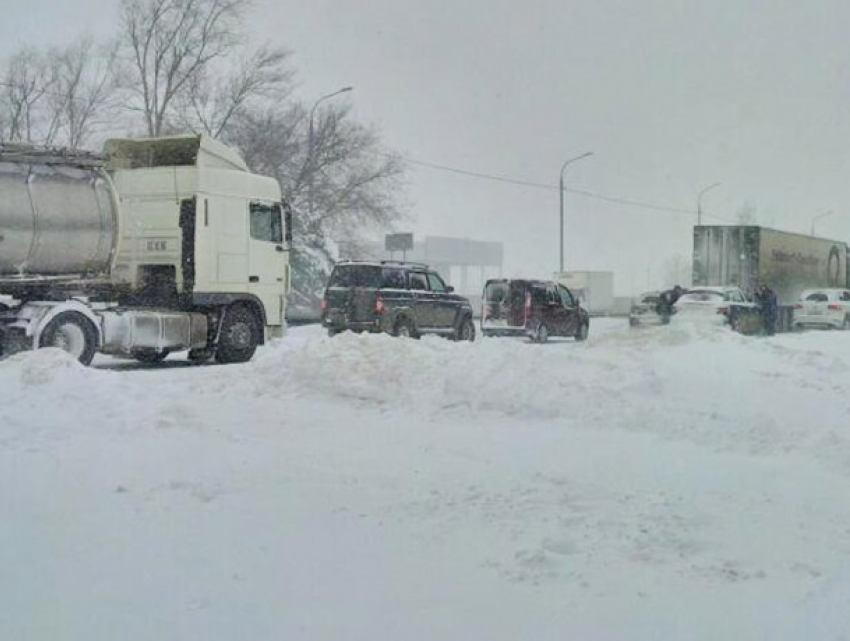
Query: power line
<point>551,187</point>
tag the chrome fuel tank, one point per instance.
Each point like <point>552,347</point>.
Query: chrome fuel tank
<point>55,220</point>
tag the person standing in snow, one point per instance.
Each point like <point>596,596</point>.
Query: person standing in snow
<point>769,306</point>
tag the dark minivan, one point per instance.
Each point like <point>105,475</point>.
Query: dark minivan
<point>534,308</point>
<point>399,298</point>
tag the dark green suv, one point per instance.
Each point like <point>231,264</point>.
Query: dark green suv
<point>402,299</point>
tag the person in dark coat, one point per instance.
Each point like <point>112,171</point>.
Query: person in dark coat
<point>769,305</point>
<point>666,300</point>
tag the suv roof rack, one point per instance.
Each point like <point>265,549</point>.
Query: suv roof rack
<point>404,262</point>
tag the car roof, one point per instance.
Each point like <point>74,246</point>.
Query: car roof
<point>528,281</point>
<point>383,263</point>
<point>713,288</point>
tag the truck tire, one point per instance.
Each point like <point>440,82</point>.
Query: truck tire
<point>72,332</point>
<point>239,336</point>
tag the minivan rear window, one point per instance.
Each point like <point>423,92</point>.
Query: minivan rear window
<point>355,276</point>
<point>496,292</point>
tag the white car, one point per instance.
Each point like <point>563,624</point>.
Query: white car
<point>823,308</point>
<point>714,305</point>
<point>645,310</point>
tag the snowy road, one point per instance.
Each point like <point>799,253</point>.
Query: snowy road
<point>672,483</point>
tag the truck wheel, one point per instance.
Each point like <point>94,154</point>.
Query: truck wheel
<point>583,331</point>
<point>466,330</point>
<point>72,332</point>
<point>239,337</point>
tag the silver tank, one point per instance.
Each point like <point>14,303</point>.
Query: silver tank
<point>55,220</point>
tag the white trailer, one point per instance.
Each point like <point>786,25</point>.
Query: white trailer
<point>155,246</point>
<point>594,289</point>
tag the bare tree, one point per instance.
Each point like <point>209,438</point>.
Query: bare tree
<point>83,89</point>
<point>171,43</point>
<point>25,84</point>
<point>356,185</point>
<point>214,97</point>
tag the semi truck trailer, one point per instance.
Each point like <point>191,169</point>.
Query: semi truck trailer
<point>748,255</point>
<point>153,246</point>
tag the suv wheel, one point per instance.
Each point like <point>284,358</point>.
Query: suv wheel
<point>583,331</point>
<point>466,330</point>
<point>541,334</point>
<point>403,329</point>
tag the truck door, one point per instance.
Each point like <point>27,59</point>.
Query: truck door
<point>267,258</point>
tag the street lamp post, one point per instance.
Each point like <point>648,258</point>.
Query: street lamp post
<point>561,205</point>
<point>699,201</point>
<point>829,212</point>
<point>310,135</point>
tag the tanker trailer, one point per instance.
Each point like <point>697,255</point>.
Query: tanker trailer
<point>156,246</point>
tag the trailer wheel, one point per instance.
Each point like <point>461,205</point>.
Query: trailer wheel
<point>240,335</point>
<point>72,332</point>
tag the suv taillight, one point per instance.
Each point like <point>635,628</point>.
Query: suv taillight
<point>527,307</point>
<point>380,308</point>
<point>485,311</point>
<point>834,307</point>
<point>798,305</point>
<point>323,304</point>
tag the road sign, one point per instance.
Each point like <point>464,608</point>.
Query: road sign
<point>398,242</point>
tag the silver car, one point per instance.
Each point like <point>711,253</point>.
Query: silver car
<point>645,311</point>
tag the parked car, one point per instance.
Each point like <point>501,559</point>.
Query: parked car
<point>534,308</point>
<point>645,310</point>
<point>717,305</point>
<point>823,308</point>
<point>402,299</point>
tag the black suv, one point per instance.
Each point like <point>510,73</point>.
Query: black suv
<point>402,299</point>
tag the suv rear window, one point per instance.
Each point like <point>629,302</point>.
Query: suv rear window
<point>355,276</point>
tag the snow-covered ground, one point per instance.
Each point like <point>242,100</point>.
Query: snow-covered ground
<point>668,483</point>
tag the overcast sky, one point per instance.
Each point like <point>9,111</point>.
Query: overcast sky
<point>670,97</point>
